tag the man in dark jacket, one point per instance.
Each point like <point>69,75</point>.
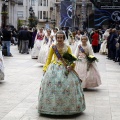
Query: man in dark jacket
<point>7,39</point>
<point>25,36</point>
<point>112,44</point>
<point>1,35</point>
<point>20,40</point>
<point>119,48</point>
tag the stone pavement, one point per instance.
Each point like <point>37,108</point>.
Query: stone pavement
<point>19,91</point>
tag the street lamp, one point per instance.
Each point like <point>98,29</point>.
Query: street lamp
<point>31,11</point>
<point>4,14</point>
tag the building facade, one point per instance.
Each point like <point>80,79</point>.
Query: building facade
<point>47,12</point>
<point>16,9</point>
<point>44,10</point>
<point>19,10</point>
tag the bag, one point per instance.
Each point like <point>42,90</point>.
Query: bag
<point>4,51</point>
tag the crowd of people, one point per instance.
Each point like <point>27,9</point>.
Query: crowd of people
<point>68,61</point>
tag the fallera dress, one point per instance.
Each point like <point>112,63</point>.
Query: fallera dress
<point>60,94</point>
<point>43,53</point>
<point>103,49</point>
<point>37,45</point>
<point>2,75</point>
<point>75,43</point>
<point>90,78</point>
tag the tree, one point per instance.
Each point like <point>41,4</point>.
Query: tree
<point>19,23</point>
<point>33,21</point>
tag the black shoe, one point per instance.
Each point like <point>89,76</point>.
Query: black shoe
<point>108,58</point>
<point>10,55</point>
<point>85,89</point>
<point>27,52</point>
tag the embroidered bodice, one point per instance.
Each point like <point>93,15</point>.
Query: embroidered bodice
<point>81,54</point>
<point>40,36</point>
<point>88,50</point>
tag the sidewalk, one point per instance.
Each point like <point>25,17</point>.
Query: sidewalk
<point>19,91</point>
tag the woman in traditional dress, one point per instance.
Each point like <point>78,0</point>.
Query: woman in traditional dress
<point>77,40</point>
<point>47,42</point>
<point>54,35</point>
<point>90,77</point>
<point>1,65</point>
<point>60,94</point>
<point>103,49</point>
<point>38,43</point>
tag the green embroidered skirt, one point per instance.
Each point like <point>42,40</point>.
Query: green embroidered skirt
<point>60,94</point>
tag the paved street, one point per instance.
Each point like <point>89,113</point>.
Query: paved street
<point>19,91</point>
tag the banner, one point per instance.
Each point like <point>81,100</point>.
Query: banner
<point>103,15</point>
<point>66,14</point>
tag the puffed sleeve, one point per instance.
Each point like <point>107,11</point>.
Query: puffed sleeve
<point>50,54</point>
<point>69,50</point>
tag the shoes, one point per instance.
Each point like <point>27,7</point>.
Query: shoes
<point>108,58</point>
<point>10,55</point>
<point>27,52</point>
<point>85,89</point>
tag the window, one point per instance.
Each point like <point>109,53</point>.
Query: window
<point>20,14</point>
<point>47,14</point>
<point>20,2</point>
<point>44,2</point>
<point>47,2</point>
<point>40,2</point>
<point>32,2</point>
<point>44,14</point>
<point>40,14</point>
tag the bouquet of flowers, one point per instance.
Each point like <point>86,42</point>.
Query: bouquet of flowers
<point>90,60</point>
<point>69,60</point>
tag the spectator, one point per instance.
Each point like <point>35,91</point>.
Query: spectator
<point>20,40</point>
<point>7,39</point>
<point>1,35</point>
<point>14,36</point>
<point>30,39</point>
<point>95,41</point>
<point>25,36</point>
<point>118,52</point>
<point>33,37</point>
<point>112,44</point>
